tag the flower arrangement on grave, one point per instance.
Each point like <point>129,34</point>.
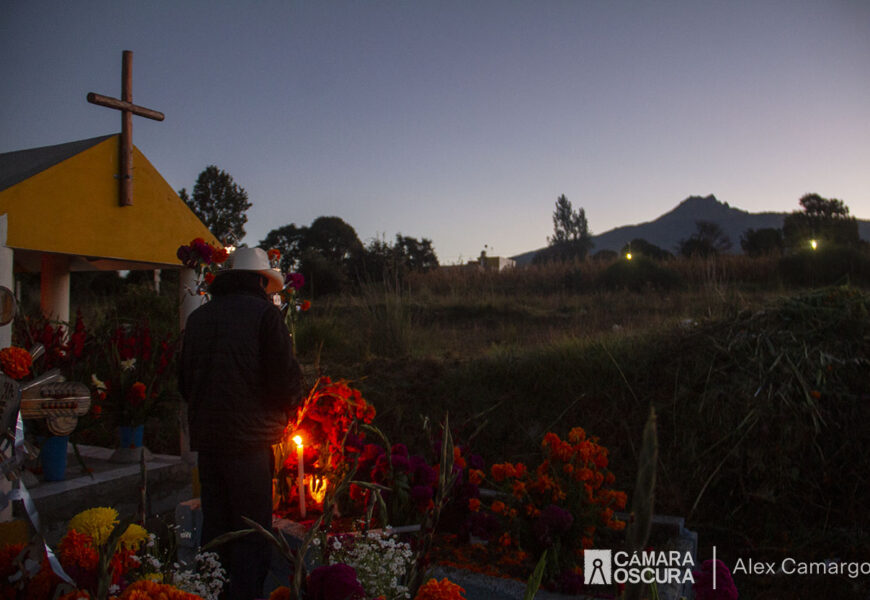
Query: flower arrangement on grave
<point>327,423</point>
<point>557,506</point>
<point>379,559</point>
<point>66,347</point>
<point>205,259</point>
<point>131,382</point>
<point>105,560</point>
<point>292,303</point>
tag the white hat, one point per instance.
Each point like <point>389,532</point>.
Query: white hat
<point>256,259</point>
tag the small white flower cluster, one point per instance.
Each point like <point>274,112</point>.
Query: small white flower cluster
<point>380,561</point>
<point>207,577</point>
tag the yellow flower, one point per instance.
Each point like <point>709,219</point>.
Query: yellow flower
<point>133,537</point>
<point>97,522</point>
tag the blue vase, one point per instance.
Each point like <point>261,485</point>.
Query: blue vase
<point>131,436</point>
<point>52,455</point>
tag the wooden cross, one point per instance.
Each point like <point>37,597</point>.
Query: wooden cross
<point>128,109</point>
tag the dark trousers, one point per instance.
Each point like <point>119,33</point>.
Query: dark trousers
<point>233,486</point>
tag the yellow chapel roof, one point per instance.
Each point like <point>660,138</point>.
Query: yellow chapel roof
<point>64,199</point>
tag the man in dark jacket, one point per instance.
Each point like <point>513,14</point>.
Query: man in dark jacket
<point>241,382</point>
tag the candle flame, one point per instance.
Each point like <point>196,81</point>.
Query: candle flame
<point>298,440</point>
<point>317,487</point>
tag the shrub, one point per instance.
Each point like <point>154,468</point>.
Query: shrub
<point>828,265</point>
<point>637,275</point>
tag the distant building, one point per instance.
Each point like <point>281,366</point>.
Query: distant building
<point>495,263</point>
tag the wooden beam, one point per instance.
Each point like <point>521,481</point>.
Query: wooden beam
<point>139,111</point>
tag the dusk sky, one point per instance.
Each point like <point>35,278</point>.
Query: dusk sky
<point>462,122</point>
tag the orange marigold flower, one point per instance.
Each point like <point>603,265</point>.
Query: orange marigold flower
<point>457,458</point>
<point>498,471</point>
<point>551,440</point>
<point>497,507</point>
<point>505,540</point>
<point>305,306</point>
<point>601,458</point>
<point>280,593</point>
<point>76,549</point>
<point>274,254</point>
<point>440,590</point>
<point>15,362</point>
<point>518,489</point>
<point>615,525</point>
<point>576,435</point>
<point>473,504</point>
<point>475,476</point>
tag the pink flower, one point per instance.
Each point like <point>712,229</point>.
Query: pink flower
<point>703,586</point>
<point>334,582</point>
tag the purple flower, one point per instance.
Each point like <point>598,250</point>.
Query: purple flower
<point>186,257</point>
<point>294,280</point>
<point>703,586</point>
<point>552,523</point>
<point>422,473</point>
<point>400,449</point>
<point>401,464</point>
<point>476,462</point>
<point>420,496</point>
<point>570,583</point>
<point>485,525</point>
<point>334,582</point>
<point>203,249</point>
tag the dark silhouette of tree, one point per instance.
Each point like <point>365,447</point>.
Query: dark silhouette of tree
<point>393,261</point>
<point>571,238</point>
<point>641,247</point>
<point>220,204</point>
<point>334,239</point>
<point>605,255</point>
<point>821,219</point>
<point>708,240</point>
<point>762,242</point>
<point>416,255</point>
<point>289,239</point>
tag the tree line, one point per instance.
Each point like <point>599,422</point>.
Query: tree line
<point>822,220</point>
<point>328,252</point>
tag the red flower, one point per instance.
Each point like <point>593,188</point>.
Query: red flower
<point>209,277</point>
<point>305,305</point>
<point>136,394</point>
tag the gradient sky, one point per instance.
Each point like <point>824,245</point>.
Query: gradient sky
<point>462,121</point>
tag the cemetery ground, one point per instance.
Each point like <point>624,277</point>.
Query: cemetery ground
<point>760,386</point>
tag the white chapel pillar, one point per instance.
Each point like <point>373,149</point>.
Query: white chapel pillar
<point>188,301</point>
<point>54,300</point>
<point>6,278</point>
<point>6,256</point>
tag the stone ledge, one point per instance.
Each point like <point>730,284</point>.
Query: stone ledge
<point>169,481</point>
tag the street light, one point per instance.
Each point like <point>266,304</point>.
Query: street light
<point>814,244</point>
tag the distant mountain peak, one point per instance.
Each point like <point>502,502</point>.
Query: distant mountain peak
<point>701,204</point>
<point>681,222</point>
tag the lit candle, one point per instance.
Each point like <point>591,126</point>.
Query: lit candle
<point>301,471</point>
